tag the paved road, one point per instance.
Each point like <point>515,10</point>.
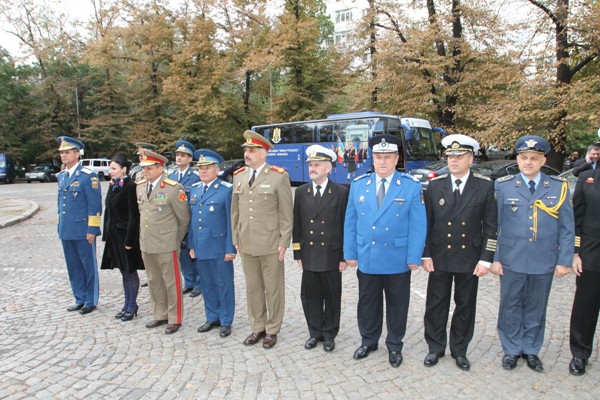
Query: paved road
<point>48,353</point>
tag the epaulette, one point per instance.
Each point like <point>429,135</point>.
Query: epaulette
<point>86,170</point>
<point>195,172</point>
<point>226,184</point>
<point>358,178</point>
<point>141,181</point>
<point>487,178</point>
<point>197,184</point>
<point>169,181</point>
<point>409,176</point>
<point>278,169</point>
<point>505,178</point>
<point>439,177</point>
<point>237,171</point>
<point>558,178</point>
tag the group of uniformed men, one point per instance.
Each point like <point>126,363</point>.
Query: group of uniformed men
<point>521,228</point>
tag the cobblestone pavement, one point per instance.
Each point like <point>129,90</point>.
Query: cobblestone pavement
<point>48,353</point>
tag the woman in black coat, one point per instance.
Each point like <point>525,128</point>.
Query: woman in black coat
<point>121,234</point>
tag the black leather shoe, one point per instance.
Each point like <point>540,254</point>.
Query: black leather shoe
<point>225,331</point>
<point>463,363</point>
<point>187,290</point>
<point>75,307</point>
<point>208,325</point>
<point>577,366</point>
<point>156,323</point>
<point>431,359</point>
<point>195,293</point>
<point>363,351</point>
<point>311,343</point>
<point>534,362</point>
<point>509,361</point>
<point>120,314</point>
<point>86,310</point>
<point>329,345</point>
<point>395,358</point>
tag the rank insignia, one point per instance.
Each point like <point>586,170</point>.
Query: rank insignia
<point>546,184</point>
<point>442,202</point>
<point>589,180</point>
<point>216,185</point>
<point>329,191</point>
<point>518,182</point>
<point>369,182</point>
<point>397,181</point>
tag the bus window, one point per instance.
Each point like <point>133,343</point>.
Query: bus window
<point>302,134</point>
<point>324,133</point>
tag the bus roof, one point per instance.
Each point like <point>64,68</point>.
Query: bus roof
<point>336,117</point>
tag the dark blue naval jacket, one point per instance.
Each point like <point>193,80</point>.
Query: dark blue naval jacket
<point>209,233</point>
<point>79,204</point>
<point>522,249</point>
<point>385,240</point>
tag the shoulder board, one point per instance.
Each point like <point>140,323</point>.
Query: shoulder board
<point>487,178</point>
<point>169,182</point>
<point>358,178</point>
<point>237,171</point>
<point>278,169</point>
<point>558,178</point>
<point>226,184</point>
<point>141,181</point>
<point>86,170</point>
<point>195,172</point>
<point>197,184</point>
<point>408,176</point>
<point>505,178</point>
<point>437,178</point>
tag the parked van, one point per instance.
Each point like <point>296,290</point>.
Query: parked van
<point>98,165</point>
<point>8,173</point>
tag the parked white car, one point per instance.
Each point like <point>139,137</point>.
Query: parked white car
<point>98,165</point>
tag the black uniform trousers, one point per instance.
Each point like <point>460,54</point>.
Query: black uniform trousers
<point>321,295</point>
<point>371,288</point>
<point>584,316</point>
<point>439,289</point>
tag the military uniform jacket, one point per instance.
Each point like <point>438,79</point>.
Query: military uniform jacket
<point>210,224</point>
<point>459,235</point>
<point>586,204</point>
<point>262,216</point>
<point>385,240</point>
<point>164,217</point>
<point>79,204</point>
<point>189,178</point>
<point>520,249</point>
<point>318,237</point>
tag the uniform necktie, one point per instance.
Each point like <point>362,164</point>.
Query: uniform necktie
<point>180,177</point>
<point>149,190</point>
<point>318,194</point>
<point>457,190</point>
<point>251,181</point>
<point>532,187</point>
<point>381,193</point>
<point>205,188</point>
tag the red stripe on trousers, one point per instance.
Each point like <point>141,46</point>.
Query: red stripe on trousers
<point>177,286</point>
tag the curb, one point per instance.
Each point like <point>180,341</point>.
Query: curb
<point>32,209</point>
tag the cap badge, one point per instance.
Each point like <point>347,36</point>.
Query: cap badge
<point>202,159</point>
<point>383,143</point>
<point>63,142</point>
<point>531,143</point>
<point>455,145</point>
<point>249,140</point>
<point>181,148</point>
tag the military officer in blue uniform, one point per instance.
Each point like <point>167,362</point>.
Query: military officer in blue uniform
<point>186,176</point>
<point>210,242</point>
<point>536,238</point>
<point>79,211</point>
<point>384,235</point>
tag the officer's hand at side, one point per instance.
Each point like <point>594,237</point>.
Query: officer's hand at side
<point>351,263</point>
<point>281,250</point>
<point>229,257</point>
<point>192,254</point>
<point>480,270</point>
<point>342,266</point>
<point>91,238</point>
<point>561,270</point>
<point>413,267</point>
<point>496,268</point>
<point>299,263</point>
<point>428,264</point>
<point>577,266</point>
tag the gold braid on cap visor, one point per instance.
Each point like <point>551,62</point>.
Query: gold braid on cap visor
<point>552,211</point>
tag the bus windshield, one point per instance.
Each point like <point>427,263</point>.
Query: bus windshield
<point>348,136</point>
